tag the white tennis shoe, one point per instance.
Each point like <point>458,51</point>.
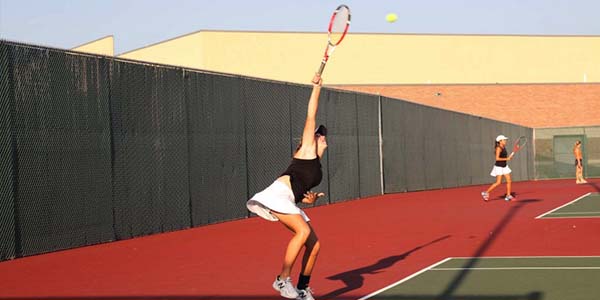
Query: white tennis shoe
<point>485,195</point>
<point>285,288</point>
<point>305,294</point>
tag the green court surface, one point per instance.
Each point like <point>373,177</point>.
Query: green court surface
<point>586,206</point>
<point>499,278</point>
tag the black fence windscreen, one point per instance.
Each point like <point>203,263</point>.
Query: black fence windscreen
<point>150,142</point>
<point>62,143</point>
<point>267,111</point>
<point>433,145</point>
<point>415,147</point>
<point>449,154</point>
<point>7,159</point>
<point>96,149</point>
<point>342,147</point>
<point>394,162</point>
<point>463,147</point>
<point>429,148</point>
<point>217,147</point>
<point>367,115</point>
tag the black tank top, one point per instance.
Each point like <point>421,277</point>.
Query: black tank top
<point>304,175</point>
<point>503,154</point>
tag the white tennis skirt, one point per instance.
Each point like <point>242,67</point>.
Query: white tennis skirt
<point>278,197</point>
<point>497,171</point>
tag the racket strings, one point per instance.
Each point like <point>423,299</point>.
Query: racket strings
<point>339,24</point>
<point>522,142</point>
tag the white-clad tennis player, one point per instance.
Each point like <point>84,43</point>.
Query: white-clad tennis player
<point>278,202</point>
<point>500,169</point>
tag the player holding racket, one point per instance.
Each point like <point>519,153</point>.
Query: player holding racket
<point>500,169</point>
<point>278,202</point>
<point>519,145</point>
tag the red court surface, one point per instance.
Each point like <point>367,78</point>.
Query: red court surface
<point>367,244</point>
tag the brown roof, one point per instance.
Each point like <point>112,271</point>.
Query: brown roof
<point>532,105</point>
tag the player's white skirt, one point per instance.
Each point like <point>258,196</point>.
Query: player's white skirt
<point>277,197</point>
<point>496,171</point>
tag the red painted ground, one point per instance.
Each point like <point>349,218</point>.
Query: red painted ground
<point>366,245</point>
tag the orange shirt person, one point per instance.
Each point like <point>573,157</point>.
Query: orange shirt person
<point>578,163</point>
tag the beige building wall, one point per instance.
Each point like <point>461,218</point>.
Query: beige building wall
<point>186,51</point>
<point>385,58</point>
<point>102,46</point>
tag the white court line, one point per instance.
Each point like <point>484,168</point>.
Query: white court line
<point>571,217</point>
<point>518,268</point>
<point>431,268</point>
<point>540,216</point>
<point>405,279</point>
<point>550,256</point>
<point>577,213</point>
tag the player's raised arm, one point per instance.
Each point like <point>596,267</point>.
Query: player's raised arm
<point>308,134</point>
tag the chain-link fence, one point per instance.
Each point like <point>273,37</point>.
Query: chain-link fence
<point>7,159</point>
<point>429,148</point>
<point>554,157</point>
<point>60,148</point>
<point>97,149</point>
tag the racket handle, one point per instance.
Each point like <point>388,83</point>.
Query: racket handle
<point>322,67</point>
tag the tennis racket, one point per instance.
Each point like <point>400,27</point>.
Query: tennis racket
<point>519,144</point>
<point>338,27</point>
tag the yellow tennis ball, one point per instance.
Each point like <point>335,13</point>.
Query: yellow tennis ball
<point>391,17</point>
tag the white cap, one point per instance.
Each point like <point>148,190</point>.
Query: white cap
<point>501,137</point>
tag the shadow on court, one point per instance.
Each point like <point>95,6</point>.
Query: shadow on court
<point>514,194</point>
<point>594,184</point>
<point>449,292</point>
<point>530,296</point>
<point>354,279</point>
<point>497,231</point>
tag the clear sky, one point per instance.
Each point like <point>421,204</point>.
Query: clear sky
<point>137,23</point>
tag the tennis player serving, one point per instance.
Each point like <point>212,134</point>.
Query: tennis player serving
<point>278,202</point>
